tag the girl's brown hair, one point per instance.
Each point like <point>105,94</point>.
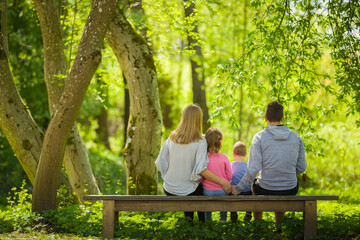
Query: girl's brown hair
<point>190,126</point>
<point>214,138</point>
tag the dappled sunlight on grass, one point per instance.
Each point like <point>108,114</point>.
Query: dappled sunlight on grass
<point>336,220</point>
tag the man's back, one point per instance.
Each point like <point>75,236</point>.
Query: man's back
<point>283,157</point>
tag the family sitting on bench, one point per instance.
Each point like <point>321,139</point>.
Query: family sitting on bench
<point>191,164</point>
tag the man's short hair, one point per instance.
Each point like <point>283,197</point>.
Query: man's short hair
<point>239,149</point>
<point>274,112</point>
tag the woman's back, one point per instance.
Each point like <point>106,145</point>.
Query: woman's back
<point>181,165</point>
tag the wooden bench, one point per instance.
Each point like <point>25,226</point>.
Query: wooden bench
<point>307,204</point>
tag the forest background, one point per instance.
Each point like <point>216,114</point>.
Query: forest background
<point>239,54</point>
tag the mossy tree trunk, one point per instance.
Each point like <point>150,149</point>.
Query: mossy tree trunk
<point>126,109</point>
<point>16,122</point>
<point>145,122</point>
<point>86,62</point>
<point>76,160</point>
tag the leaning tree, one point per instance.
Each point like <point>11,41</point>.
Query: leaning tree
<point>42,154</point>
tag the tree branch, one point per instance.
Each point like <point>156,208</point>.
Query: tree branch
<point>86,62</point>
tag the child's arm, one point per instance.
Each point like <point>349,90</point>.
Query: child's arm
<point>254,165</point>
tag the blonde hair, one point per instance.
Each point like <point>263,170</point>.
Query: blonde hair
<point>190,126</point>
<point>239,149</point>
<point>213,137</point>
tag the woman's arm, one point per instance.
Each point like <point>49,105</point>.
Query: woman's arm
<point>212,177</point>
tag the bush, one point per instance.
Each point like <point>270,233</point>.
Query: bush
<point>83,220</point>
<point>18,216</point>
<point>336,220</point>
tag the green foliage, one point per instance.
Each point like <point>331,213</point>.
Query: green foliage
<point>303,53</point>
<point>73,17</point>
<point>11,172</point>
<point>338,149</point>
<point>41,235</point>
<point>26,58</point>
<point>299,53</point>
<point>26,62</point>
<point>336,220</point>
<point>109,170</point>
<point>17,215</point>
<point>283,59</point>
<point>76,219</point>
<point>279,63</point>
<point>70,218</point>
<point>342,221</point>
<point>343,19</point>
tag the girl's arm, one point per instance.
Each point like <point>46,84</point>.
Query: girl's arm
<point>212,177</point>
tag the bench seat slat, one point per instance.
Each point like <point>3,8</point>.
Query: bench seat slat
<point>209,198</point>
<point>159,206</point>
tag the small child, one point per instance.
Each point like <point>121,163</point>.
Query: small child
<point>220,165</point>
<point>239,168</point>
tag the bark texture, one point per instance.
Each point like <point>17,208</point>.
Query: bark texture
<point>86,62</point>
<point>126,109</point>
<point>4,26</point>
<point>16,122</point>
<point>145,122</point>
<point>76,160</point>
<point>197,69</point>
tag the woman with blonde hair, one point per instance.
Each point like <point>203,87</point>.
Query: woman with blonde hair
<point>183,159</point>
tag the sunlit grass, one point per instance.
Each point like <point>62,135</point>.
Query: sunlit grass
<point>41,235</point>
<point>336,220</point>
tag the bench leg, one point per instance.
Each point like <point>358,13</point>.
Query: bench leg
<point>310,219</point>
<point>108,219</point>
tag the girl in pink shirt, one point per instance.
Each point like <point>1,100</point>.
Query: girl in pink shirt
<point>219,164</point>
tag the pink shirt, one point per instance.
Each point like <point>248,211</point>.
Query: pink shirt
<point>220,165</point>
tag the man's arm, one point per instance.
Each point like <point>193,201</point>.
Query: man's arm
<point>254,165</point>
<point>234,191</point>
<point>301,162</point>
<point>212,177</point>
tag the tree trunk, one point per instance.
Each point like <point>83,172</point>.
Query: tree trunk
<point>103,130</point>
<point>16,122</point>
<point>76,160</point>
<point>145,123</point>
<point>126,109</point>
<point>102,119</point>
<point>86,62</point>
<point>4,26</point>
<point>198,82</point>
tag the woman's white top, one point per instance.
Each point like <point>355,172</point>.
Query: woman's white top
<point>181,164</point>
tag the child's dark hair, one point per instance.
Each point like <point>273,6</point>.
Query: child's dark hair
<point>239,149</point>
<point>213,137</point>
<point>274,112</point>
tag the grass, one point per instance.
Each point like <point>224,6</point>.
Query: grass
<point>42,235</point>
<point>336,220</point>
